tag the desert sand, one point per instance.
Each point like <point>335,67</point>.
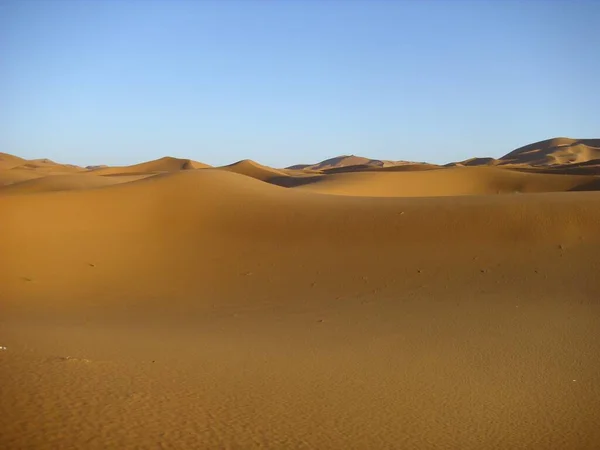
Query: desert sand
<point>175,305</point>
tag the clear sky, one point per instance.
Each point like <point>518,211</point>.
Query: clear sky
<point>289,81</point>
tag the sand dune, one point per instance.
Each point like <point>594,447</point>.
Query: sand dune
<point>211,309</point>
<point>551,152</point>
<point>9,161</point>
<point>591,167</point>
<point>555,152</point>
<point>17,175</point>
<point>166,164</point>
<point>475,162</point>
<point>445,182</point>
<point>347,161</point>
<point>40,165</point>
<point>254,170</point>
<point>148,205</point>
<point>403,167</point>
<point>48,166</point>
<point>66,183</point>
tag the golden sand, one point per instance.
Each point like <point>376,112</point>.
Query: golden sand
<point>167,306</point>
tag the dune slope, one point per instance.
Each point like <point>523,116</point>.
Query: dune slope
<point>207,309</point>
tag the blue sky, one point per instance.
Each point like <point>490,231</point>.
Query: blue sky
<point>289,81</point>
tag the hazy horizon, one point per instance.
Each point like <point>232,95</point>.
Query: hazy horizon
<point>293,82</point>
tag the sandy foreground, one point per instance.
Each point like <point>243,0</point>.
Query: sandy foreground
<point>176,306</point>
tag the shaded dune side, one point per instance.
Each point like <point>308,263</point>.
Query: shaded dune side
<point>210,236</point>
<point>444,182</point>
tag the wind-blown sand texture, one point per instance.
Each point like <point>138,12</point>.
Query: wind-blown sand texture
<point>247,307</point>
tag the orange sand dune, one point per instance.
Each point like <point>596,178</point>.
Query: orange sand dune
<point>476,162</point>
<point>9,161</point>
<point>49,167</point>
<point>41,165</point>
<point>66,183</point>
<point>590,167</point>
<point>208,309</point>
<point>16,175</point>
<point>347,161</point>
<point>254,170</point>
<point>166,164</point>
<point>405,167</point>
<point>560,151</point>
<point>445,182</point>
<point>555,151</point>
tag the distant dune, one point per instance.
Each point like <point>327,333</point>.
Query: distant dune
<point>551,152</point>
<point>475,162</point>
<point>532,169</point>
<point>346,161</point>
<point>169,304</point>
<point>254,170</point>
<point>46,165</point>
<point>166,164</point>
<point>400,167</point>
<point>9,161</point>
<point>446,182</point>
<point>67,183</point>
<point>558,151</point>
<point>16,175</point>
